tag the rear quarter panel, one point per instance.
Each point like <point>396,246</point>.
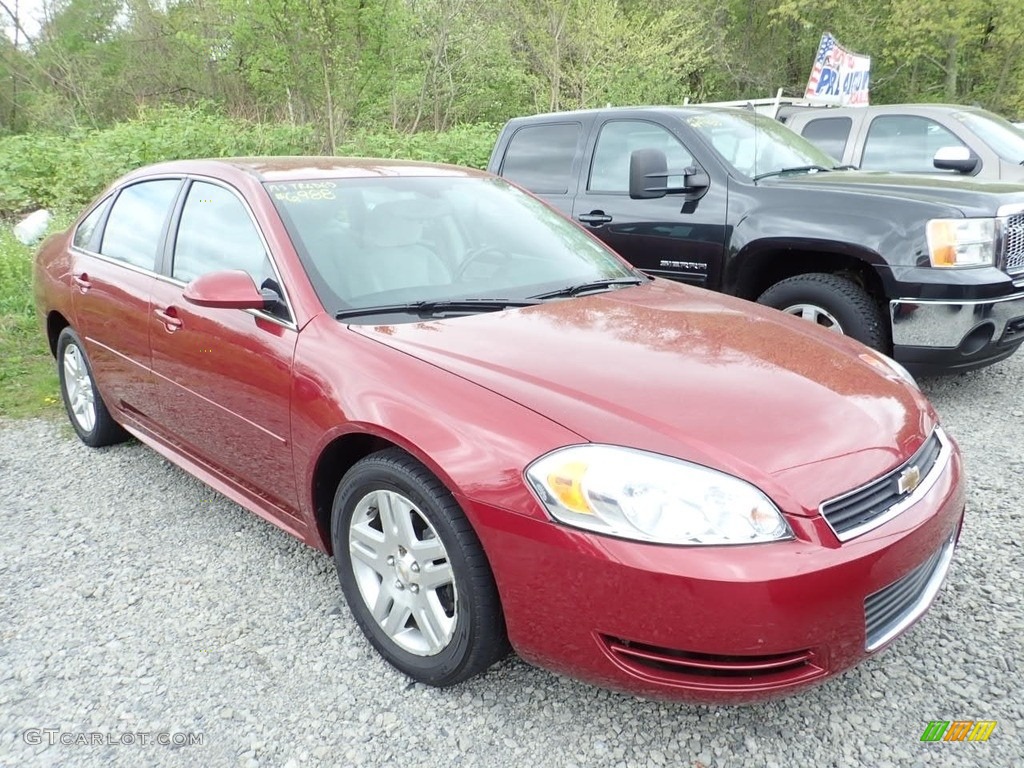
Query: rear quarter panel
<point>51,277</point>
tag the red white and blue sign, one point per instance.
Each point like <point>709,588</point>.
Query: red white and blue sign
<point>839,77</point>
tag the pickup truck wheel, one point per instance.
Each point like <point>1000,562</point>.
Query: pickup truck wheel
<point>832,302</point>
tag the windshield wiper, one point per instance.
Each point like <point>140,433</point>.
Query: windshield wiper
<point>596,285</point>
<point>430,308</point>
<point>795,169</point>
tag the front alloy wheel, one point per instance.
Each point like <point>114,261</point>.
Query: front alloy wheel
<point>403,572</point>
<point>413,571</point>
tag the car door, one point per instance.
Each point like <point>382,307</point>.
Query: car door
<point>112,259</point>
<point>224,375</point>
<point>681,237</point>
<point>906,143</point>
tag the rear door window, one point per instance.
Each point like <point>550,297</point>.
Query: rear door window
<point>829,134</point>
<point>137,221</point>
<point>540,157</point>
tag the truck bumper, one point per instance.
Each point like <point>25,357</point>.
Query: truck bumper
<point>931,336</point>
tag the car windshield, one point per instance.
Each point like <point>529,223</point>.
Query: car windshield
<point>1001,135</point>
<point>756,145</point>
<point>390,241</point>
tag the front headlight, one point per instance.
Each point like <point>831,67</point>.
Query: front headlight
<point>645,496</point>
<point>962,242</point>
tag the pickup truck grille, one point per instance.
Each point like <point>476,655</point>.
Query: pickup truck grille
<point>871,505</point>
<point>1013,243</point>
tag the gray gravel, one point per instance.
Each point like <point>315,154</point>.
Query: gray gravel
<point>135,600</point>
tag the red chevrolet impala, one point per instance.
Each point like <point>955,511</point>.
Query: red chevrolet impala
<point>504,433</point>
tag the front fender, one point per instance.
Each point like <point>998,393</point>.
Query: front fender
<point>475,441</point>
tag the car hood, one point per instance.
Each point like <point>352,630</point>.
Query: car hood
<point>972,197</point>
<point>688,373</point>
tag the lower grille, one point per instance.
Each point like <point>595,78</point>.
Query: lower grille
<point>711,671</point>
<point>1013,243</point>
<point>891,610</point>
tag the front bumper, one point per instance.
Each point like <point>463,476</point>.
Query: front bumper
<point>716,624</point>
<point>937,336</point>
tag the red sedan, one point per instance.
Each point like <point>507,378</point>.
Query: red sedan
<point>502,431</point>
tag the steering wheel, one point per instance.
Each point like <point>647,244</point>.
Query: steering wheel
<point>482,253</point>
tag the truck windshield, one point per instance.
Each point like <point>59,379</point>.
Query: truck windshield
<point>435,240</point>
<point>1004,139</point>
<point>755,145</point>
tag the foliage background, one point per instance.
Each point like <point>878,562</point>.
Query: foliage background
<point>91,88</point>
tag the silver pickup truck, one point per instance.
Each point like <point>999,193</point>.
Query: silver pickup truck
<point>914,138</point>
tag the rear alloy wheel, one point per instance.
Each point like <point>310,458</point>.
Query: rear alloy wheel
<point>86,409</point>
<point>832,302</point>
<point>413,571</point>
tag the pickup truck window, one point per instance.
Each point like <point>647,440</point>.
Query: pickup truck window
<point>756,145</point>
<point>829,134</point>
<point>905,143</point>
<point>617,141</point>
<point>1001,135</point>
<point>539,157</point>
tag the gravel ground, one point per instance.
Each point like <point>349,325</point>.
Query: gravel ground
<point>135,600</point>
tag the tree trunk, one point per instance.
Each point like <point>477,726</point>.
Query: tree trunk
<point>952,59</point>
<point>329,101</point>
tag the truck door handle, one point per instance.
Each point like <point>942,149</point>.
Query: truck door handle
<point>170,321</point>
<point>82,281</point>
<point>594,217</point>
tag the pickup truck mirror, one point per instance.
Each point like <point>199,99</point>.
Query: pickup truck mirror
<point>959,159</point>
<point>695,178</point>
<point>648,176</point>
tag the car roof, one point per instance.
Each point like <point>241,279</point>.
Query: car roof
<point>686,111</point>
<point>883,109</point>
<point>300,167</point>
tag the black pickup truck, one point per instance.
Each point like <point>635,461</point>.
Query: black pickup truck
<point>928,270</point>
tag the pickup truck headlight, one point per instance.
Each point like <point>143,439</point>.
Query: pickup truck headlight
<point>962,242</point>
<point>649,497</point>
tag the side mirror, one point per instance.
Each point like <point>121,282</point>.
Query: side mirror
<point>648,174</point>
<point>695,178</point>
<point>959,159</point>
<point>228,289</point>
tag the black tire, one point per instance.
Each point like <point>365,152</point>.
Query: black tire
<point>850,306</point>
<point>477,630</point>
<point>101,429</point>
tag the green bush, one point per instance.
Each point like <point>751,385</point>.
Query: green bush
<point>468,145</point>
<point>61,171</point>
<point>65,171</point>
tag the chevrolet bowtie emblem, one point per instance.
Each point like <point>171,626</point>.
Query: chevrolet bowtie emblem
<point>909,479</point>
